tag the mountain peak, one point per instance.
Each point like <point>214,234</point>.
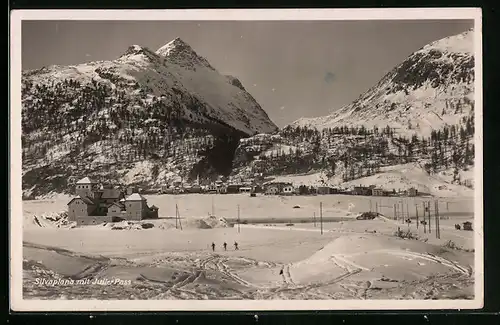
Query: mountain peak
<point>133,49</point>
<point>460,43</point>
<point>179,52</point>
<point>174,47</point>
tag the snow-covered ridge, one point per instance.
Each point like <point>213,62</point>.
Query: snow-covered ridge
<point>433,87</point>
<point>172,70</point>
<point>461,43</point>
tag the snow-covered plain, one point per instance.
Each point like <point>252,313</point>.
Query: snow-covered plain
<point>352,259</point>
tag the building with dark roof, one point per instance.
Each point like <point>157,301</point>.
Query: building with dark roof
<point>94,206</point>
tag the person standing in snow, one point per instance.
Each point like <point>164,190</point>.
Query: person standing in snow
<point>235,246</point>
<point>225,246</point>
<point>213,247</point>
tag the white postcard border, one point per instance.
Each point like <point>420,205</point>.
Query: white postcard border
<point>16,211</point>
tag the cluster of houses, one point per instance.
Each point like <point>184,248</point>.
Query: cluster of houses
<point>97,203</point>
<point>279,188</point>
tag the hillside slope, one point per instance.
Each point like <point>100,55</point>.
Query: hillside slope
<point>136,119</point>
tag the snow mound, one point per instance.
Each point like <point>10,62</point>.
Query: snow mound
<point>381,256</point>
<point>213,222</point>
<point>53,220</point>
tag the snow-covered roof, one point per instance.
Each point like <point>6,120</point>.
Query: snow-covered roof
<point>135,197</point>
<point>85,180</point>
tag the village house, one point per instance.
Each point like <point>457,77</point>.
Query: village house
<point>221,189</point>
<point>467,225</point>
<point>287,190</point>
<point>245,189</point>
<point>193,189</point>
<point>212,188</point>
<point>362,190</point>
<point>379,192</point>
<point>326,190</point>
<point>94,206</point>
<point>412,192</point>
<point>233,188</point>
<point>271,190</point>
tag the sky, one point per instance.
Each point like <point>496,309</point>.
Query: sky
<point>292,68</point>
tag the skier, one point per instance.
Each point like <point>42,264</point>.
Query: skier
<point>225,246</point>
<point>213,246</point>
<point>235,246</point>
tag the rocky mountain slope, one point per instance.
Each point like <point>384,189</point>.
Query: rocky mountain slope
<point>432,88</point>
<point>136,119</point>
<point>421,113</point>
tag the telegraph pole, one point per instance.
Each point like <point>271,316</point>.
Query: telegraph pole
<point>179,216</point>
<point>176,225</point>
<point>238,218</point>
<point>429,215</point>
<point>438,230</point>
<point>416,213</point>
<point>321,216</point>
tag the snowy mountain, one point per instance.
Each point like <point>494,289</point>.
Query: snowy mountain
<point>173,73</point>
<point>432,88</point>
<point>139,118</point>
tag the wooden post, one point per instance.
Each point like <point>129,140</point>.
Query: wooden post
<point>429,215</point>
<point>435,220</point>
<point>370,205</point>
<point>179,216</point>
<point>376,207</point>
<point>395,215</point>
<point>407,211</point>
<point>416,213</point>
<point>321,216</point>
<point>314,219</point>
<point>438,229</point>
<point>402,213</point>
<point>238,218</point>
<point>176,226</point>
<point>213,213</point>
<point>425,226</point>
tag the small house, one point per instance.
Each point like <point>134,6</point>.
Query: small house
<point>136,207</point>
<point>194,189</point>
<point>322,190</point>
<point>222,189</point>
<point>287,190</point>
<point>362,190</point>
<point>117,211</point>
<point>412,192</point>
<point>272,190</point>
<point>233,188</point>
<point>467,225</point>
<point>212,188</point>
<point>153,212</point>
<point>245,189</point>
<point>378,192</point>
